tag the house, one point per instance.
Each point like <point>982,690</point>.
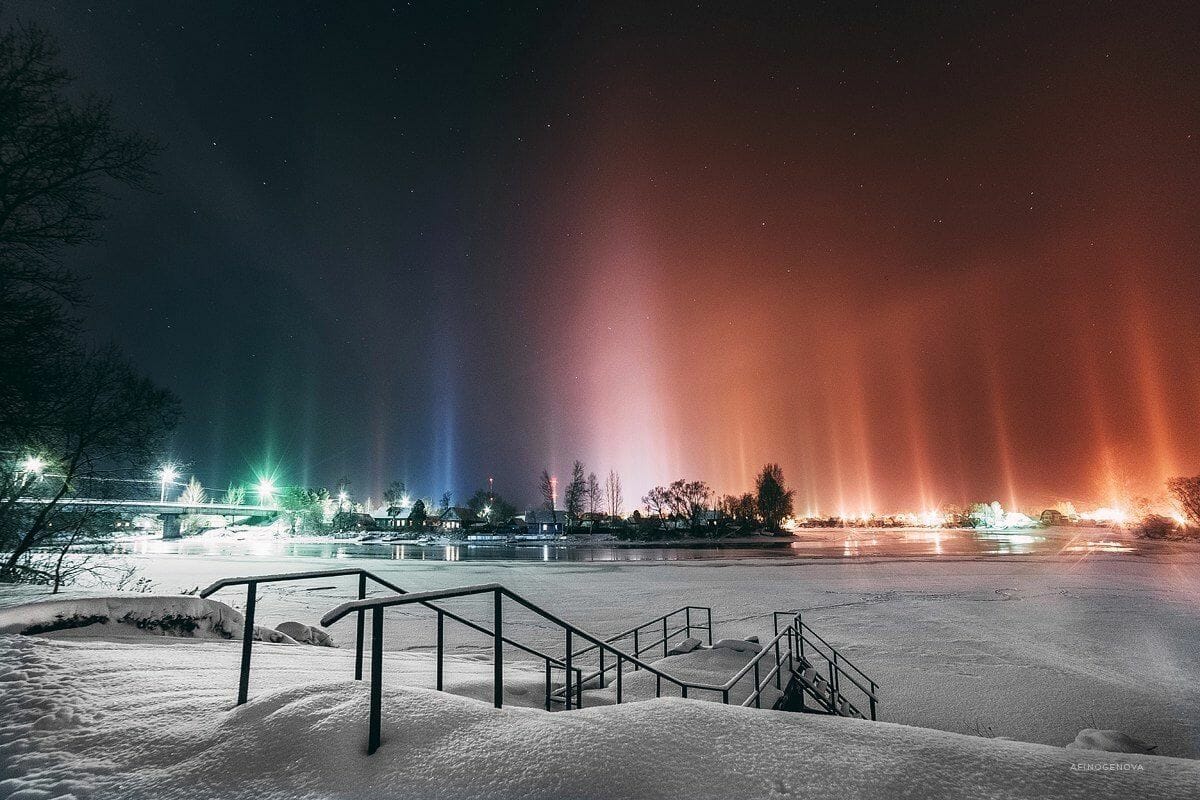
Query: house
<point>388,517</point>
<point>456,518</point>
<point>1052,516</point>
<point>541,523</point>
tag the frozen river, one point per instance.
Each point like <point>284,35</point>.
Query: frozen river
<point>839,543</point>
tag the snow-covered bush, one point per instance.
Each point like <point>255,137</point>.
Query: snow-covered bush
<point>1156,526</point>
<point>132,615</point>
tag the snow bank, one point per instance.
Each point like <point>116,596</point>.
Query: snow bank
<point>119,720</point>
<point>132,615</point>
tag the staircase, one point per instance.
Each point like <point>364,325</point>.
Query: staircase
<point>821,680</point>
<point>797,670</point>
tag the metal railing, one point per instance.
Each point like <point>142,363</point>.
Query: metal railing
<point>637,635</point>
<point>497,593</point>
<point>826,684</point>
<point>363,576</point>
<point>789,661</point>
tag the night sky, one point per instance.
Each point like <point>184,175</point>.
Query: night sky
<point>916,257</point>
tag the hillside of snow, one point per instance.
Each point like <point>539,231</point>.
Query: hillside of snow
<point>154,718</point>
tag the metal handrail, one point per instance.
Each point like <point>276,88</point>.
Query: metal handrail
<point>834,658</point>
<point>363,575</point>
<point>641,647</point>
<point>794,634</point>
<point>498,592</point>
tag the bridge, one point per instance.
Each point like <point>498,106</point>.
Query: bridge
<point>169,511</point>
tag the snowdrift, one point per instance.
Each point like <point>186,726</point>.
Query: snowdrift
<point>127,615</point>
<point>143,718</point>
<point>442,746</point>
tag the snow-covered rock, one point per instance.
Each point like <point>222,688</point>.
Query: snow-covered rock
<point>306,634</point>
<point>1110,742</point>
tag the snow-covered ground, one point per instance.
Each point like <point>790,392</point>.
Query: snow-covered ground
<point>1033,648</point>
<point>153,718</point>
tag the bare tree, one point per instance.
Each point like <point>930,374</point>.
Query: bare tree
<point>72,417</point>
<point>612,490</point>
<point>111,425</point>
<point>1186,492</point>
<point>658,503</point>
<point>688,500</point>
<point>594,495</point>
<point>59,154</point>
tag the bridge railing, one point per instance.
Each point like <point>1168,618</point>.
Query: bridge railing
<point>251,584</point>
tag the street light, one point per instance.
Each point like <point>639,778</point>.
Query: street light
<point>265,490</point>
<point>342,498</point>
<point>32,465</point>
<point>166,475</point>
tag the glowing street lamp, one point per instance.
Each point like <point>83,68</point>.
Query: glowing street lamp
<point>166,475</point>
<point>32,466</point>
<point>266,490</point>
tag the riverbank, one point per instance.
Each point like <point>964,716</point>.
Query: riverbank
<point>1033,646</point>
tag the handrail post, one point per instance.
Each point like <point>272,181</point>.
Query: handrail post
<point>637,651</point>
<point>376,709</point>
<point>873,689</point>
<point>359,626</point>
<point>710,626</point>
<point>549,680</point>
<point>620,669</point>
<point>601,649</point>
<point>837,675</point>
<point>757,685</point>
<point>778,664</point>
<point>664,637</point>
<point>687,620</point>
<point>498,657</point>
<point>247,642</point>
<point>441,647</point>
<point>567,686</point>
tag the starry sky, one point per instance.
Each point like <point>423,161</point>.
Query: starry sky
<point>917,256</point>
